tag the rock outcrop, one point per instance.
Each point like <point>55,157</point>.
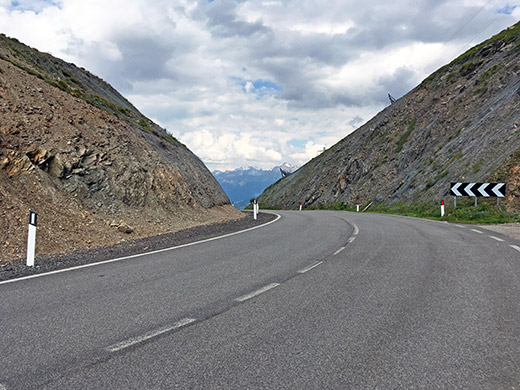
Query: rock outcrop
<point>80,165</point>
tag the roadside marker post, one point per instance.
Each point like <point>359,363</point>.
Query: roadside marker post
<point>255,212</point>
<point>442,208</point>
<point>357,207</point>
<point>300,206</point>
<point>31,238</point>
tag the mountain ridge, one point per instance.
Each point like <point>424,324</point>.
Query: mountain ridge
<point>244,183</point>
<point>460,124</point>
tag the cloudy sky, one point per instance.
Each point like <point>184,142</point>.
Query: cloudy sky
<point>258,83</point>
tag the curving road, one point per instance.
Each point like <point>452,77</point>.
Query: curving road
<point>316,300</point>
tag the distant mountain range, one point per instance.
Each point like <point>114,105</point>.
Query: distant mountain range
<point>243,184</point>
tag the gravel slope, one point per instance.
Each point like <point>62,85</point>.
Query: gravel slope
<point>17,268</point>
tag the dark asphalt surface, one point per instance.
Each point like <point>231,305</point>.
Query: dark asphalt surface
<point>406,304</point>
<point>45,263</point>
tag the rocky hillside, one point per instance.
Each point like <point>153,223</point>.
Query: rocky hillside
<point>94,168</point>
<point>461,124</point>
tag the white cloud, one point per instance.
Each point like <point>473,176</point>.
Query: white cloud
<point>249,87</point>
<point>311,150</point>
<point>257,82</point>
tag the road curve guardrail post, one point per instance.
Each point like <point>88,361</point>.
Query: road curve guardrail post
<point>31,238</point>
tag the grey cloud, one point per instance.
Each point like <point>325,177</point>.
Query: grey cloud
<point>144,57</point>
<point>397,84</point>
<point>354,123</point>
<point>223,21</point>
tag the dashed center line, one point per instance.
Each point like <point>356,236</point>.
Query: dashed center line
<point>356,230</point>
<point>257,292</point>
<point>307,269</point>
<point>476,231</point>
<point>515,247</point>
<point>496,238</point>
<point>148,336</point>
<point>460,226</point>
<point>351,240</point>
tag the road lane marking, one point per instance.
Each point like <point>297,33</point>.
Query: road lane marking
<point>356,230</point>
<point>476,231</point>
<point>149,335</point>
<point>351,240</point>
<point>461,226</point>
<point>515,247</point>
<point>257,292</point>
<point>59,271</point>
<point>302,271</point>
<point>496,238</point>
<point>2,387</point>
<point>338,251</point>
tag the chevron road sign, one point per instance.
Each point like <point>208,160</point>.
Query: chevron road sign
<point>495,190</point>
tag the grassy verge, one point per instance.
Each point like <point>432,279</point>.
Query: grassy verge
<point>487,211</point>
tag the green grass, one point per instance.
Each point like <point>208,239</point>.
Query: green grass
<point>477,166</point>
<point>483,81</point>
<point>507,36</point>
<point>340,206</point>
<point>455,134</point>
<point>487,211</point>
<point>171,139</point>
<point>405,136</point>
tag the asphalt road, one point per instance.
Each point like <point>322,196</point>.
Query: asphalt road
<point>316,300</point>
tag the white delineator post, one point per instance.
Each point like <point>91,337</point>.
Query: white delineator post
<point>254,209</point>
<point>300,206</point>
<point>31,239</point>
<point>357,207</point>
<point>442,208</point>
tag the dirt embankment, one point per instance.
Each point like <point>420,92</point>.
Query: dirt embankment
<point>95,180</point>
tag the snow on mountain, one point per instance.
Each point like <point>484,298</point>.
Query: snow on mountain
<point>245,183</point>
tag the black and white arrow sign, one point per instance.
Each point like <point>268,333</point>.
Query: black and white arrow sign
<point>496,190</point>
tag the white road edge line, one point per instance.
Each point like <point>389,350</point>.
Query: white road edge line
<point>496,238</point>
<point>257,292</point>
<point>356,229</point>
<point>460,226</point>
<point>149,335</point>
<point>338,251</point>
<point>476,231</point>
<point>139,254</point>
<point>515,247</point>
<point>351,240</point>
<point>307,269</point>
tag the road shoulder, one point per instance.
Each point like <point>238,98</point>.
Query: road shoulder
<point>17,268</point>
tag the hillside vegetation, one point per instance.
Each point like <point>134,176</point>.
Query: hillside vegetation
<point>460,124</point>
